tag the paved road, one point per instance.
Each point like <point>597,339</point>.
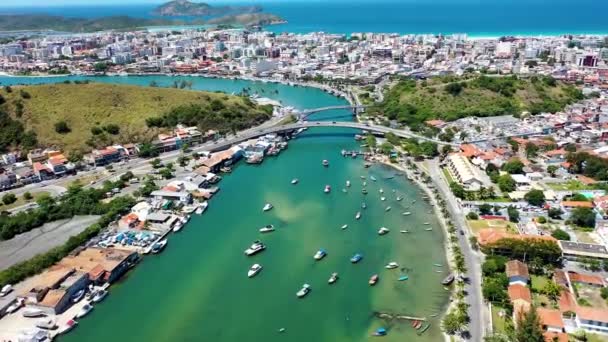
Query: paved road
<point>477,310</point>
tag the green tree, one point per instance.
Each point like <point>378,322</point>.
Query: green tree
<point>531,150</point>
<point>9,198</point>
<point>485,209</point>
<point>457,190</point>
<point>147,150</point>
<point>166,173</point>
<point>513,214</point>
<point>529,327</point>
<point>551,169</point>
<point>582,216</point>
<point>514,166</point>
<point>552,290</point>
<point>27,196</point>
<point>62,127</point>
<point>386,148</point>
<point>535,197</point>
<point>156,163</point>
<point>494,290</point>
<point>561,235</point>
<point>472,215</point>
<point>506,183</point>
<point>453,322</point>
<point>555,213</point>
<point>370,140</point>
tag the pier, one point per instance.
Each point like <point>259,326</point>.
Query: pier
<point>387,315</point>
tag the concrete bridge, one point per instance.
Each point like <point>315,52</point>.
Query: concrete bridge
<point>305,113</point>
<point>254,133</point>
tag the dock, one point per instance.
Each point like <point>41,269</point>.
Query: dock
<point>387,315</point>
<point>346,153</point>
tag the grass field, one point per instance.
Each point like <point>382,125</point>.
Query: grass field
<point>84,106</point>
<point>570,185</point>
<point>498,323</point>
<point>538,282</point>
<point>447,175</point>
<point>477,225</point>
<point>21,201</point>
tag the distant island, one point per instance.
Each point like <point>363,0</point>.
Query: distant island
<point>185,8</point>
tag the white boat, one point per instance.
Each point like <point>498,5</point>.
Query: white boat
<point>255,269</point>
<point>404,231</point>
<point>267,229</point>
<point>48,323</point>
<point>391,265</point>
<point>32,313</point>
<point>363,205</point>
<point>159,246</point>
<point>178,226</point>
<point>429,229</point>
<point>325,162</point>
<point>255,248</point>
<point>99,296</point>
<point>406,213</point>
<point>321,253</point>
<point>201,208</point>
<point>347,183</point>
<point>373,178</point>
<point>381,191</point>
<point>267,207</point>
<point>303,291</point>
<point>294,181</point>
<point>333,278</point>
<point>78,296</point>
<point>358,215</point>
<point>399,198</point>
<point>383,198</point>
<point>383,230</point>
<point>85,310</point>
<point>387,209</point>
<point>364,183</point>
<point>327,189</point>
<point>426,223</point>
<point>189,209</point>
<point>15,306</point>
<point>344,226</point>
<point>69,325</point>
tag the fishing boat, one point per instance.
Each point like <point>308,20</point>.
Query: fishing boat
<point>333,278</point>
<point>448,280</point>
<point>427,223</point>
<point>84,310</point>
<point>402,278</point>
<point>33,313</point>
<point>347,183</point>
<point>404,231</point>
<point>78,296</point>
<point>344,226</point>
<point>399,198</point>
<point>255,248</point>
<point>438,265</point>
<point>325,162</point>
<point>362,177</point>
<point>373,178</point>
<point>381,191</point>
<point>178,226</point>
<point>406,213</point>
<point>159,246</point>
<point>428,229</point>
<point>373,280</point>
<point>48,323</point>
<point>383,198</point>
<point>267,207</point>
<point>201,208</point>
<point>99,296</point>
<point>294,181</point>
<point>383,230</point>
<point>267,229</point>
<point>423,329</point>
<point>416,324</point>
<point>255,269</point>
<point>356,258</point>
<point>364,183</point>
<point>303,291</point>
<point>363,205</point>
<point>387,209</point>
<point>69,325</point>
<point>379,332</point>
<point>391,265</point>
<point>327,189</point>
<point>364,191</point>
<point>321,253</point>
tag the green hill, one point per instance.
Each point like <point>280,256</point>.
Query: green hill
<point>450,98</point>
<point>98,114</point>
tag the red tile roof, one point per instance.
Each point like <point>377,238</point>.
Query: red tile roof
<point>521,292</point>
<point>577,204</point>
<point>517,268</point>
<point>490,236</point>
<point>550,317</point>
<point>555,337</point>
<point>586,278</point>
<point>566,302</point>
<point>592,314</point>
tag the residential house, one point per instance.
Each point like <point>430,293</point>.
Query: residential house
<point>587,279</point>
<point>551,320</point>
<point>522,182</point>
<point>103,265</point>
<point>517,273</point>
<point>178,196</point>
<point>103,157</point>
<point>42,172</point>
<point>592,319</point>
<point>520,298</point>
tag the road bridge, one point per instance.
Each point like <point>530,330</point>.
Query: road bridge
<point>303,114</point>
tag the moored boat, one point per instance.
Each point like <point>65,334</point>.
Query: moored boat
<point>321,253</point>
<point>325,162</point>
<point>380,332</point>
<point>255,269</point>
<point>373,280</point>
<point>344,226</point>
<point>387,209</point>
<point>358,215</point>
<point>356,258</point>
<point>347,183</point>
<point>255,248</point>
<point>178,226</point>
<point>383,230</point>
<point>429,229</point>
<point>404,231</point>
<point>294,181</point>
<point>363,205</point>
<point>383,198</point>
<point>448,280</point>
<point>99,296</point>
<point>333,278</point>
<point>48,323</point>
<point>373,178</point>
<point>303,291</point>
<point>381,191</point>
<point>327,189</point>
<point>364,191</point>
<point>406,213</point>
<point>267,207</point>
<point>201,208</point>
<point>399,198</point>
<point>33,313</point>
<point>391,265</point>
<point>69,325</point>
<point>267,228</point>
<point>402,278</point>
<point>84,310</point>
<point>159,246</point>
<point>78,296</point>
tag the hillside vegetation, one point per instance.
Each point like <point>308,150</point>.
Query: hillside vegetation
<point>78,117</point>
<point>449,98</point>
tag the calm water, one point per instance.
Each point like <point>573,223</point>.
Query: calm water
<point>197,289</point>
<point>475,17</point>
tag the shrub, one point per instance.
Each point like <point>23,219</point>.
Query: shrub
<point>62,127</point>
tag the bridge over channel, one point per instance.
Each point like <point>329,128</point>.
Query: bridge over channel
<point>303,114</point>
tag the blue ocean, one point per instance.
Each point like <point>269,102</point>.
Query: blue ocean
<point>474,17</point>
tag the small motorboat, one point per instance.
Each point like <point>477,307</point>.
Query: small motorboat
<point>363,205</point>
<point>448,280</point>
<point>383,198</point>
<point>267,229</point>
<point>99,296</point>
<point>428,229</point>
<point>383,230</point>
<point>33,313</point>
<point>358,215</point>
<point>406,213</point>
<point>69,325</point>
<point>347,183</point>
<point>344,226</point>
<point>327,189</point>
<point>403,277</point>
<point>438,265</point>
<point>344,190</point>
<point>373,280</point>
<point>381,191</point>
<point>391,265</point>
<point>364,191</point>
<point>393,190</point>
<point>78,296</point>
<point>84,310</point>
<point>333,278</point>
<point>373,178</point>
<point>321,253</point>
<point>294,181</point>
<point>387,209</point>
<point>178,226</point>
<point>255,248</point>
<point>380,332</point>
<point>399,198</point>
<point>404,231</point>
<point>159,246</point>
<point>15,306</point>
<point>325,162</point>
<point>356,258</point>
<point>303,291</point>
<point>427,223</point>
<point>267,207</point>
<point>364,183</point>
<point>362,177</point>
<point>255,269</point>
<point>201,208</point>
<point>48,323</point>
